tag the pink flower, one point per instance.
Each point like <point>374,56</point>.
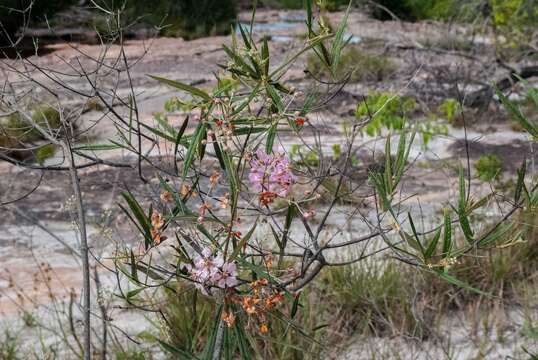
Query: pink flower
<point>210,270</point>
<point>227,276</point>
<point>271,173</point>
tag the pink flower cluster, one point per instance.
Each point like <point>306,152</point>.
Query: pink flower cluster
<point>212,271</point>
<point>271,173</point>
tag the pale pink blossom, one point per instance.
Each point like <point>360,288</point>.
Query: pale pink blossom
<point>208,270</point>
<point>271,173</point>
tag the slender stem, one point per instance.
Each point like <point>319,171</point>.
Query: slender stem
<point>83,248</point>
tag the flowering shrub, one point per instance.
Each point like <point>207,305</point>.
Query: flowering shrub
<point>217,228</point>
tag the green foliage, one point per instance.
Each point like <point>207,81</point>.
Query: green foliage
<point>488,167</point>
<point>190,316</point>
<point>15,14</point>
<point>373,295</point>
<point>515,20</point>
<point>360,65</point>
<point>333,5</point>
<point>9,346</point>
<point>386,110</point>
<point>44,152</point>
<point>131,354</point>
<point>451,109</point>
<point>300,156</point>
<point>19,128</point>
<point>428,129</point>
<point>189,19</point>
<point>411,9</point>
<point>328,5</point>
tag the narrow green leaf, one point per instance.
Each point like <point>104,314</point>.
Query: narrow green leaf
<point>517,115</point>
<point>430,250</point>
<point>415,234</point>
<point>447,235</point>
<point>191,151</point>
<point>242,243</point>
<point>271,134</point>
<point>273,94</point>
<point>137,211</point>
<point>182,86</point>
<point>98,147</point>
<point>295,306</point>
<point>265,56</point>
<point>520,184</point>
<point>134,273</point>
<point>454,281</point>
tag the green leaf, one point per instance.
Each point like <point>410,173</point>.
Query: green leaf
<point>243,241</point>
<point>520,184</point>
<point>195,143</point>
<point>270,139</point>
<point>295,306</point>
<point>181,354</point>
<point>265,56</point>
<point>454,281</point>
<point>338,42</point>
<point>134,272</point>
<point>430,250</point>
<point>97,147</point>
<point>447,235</point>
<point>137,211</point>
<point>182,86</point>
<point>462,209</point>
<point>415,234</point>
<point>211,341</point>
<point>273,94</point>
<point>240,62</point>
<point>179,135</point>
<point>517,115</point>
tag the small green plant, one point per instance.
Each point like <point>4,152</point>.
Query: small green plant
<point>451,109</point>
<point>358,64</point>
<point>488,167</point>
<point>301,157</point>
<point>29,319</point>
<point>44,152</point>
<point>386,110</point>
<point>16,126</point>
<point>9,346</point>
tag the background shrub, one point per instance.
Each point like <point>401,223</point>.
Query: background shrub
<point>13,16</point>
<point>186,18</point>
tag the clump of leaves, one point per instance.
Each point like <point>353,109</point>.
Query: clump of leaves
<point>386,110</point>
<point>9,346</point>
<point>488,167</point>
<point>358,64</point>
<point>44,152</point>
<point>18,127</point>
<point>514,20</point>
<point>451,109</point>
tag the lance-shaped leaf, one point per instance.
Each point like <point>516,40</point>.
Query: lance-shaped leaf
<point>142,221</point>
<point>273,94</point>
<point>243,242</point>
<point>197,138</point>
<point>182,86</point>
<point>432,246</point>
<point>415,234</point>
<point>269,142</point>
<point>462,209</point>
<point>517,115</point>
<point>447,235</point>
<point>520,185</point>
